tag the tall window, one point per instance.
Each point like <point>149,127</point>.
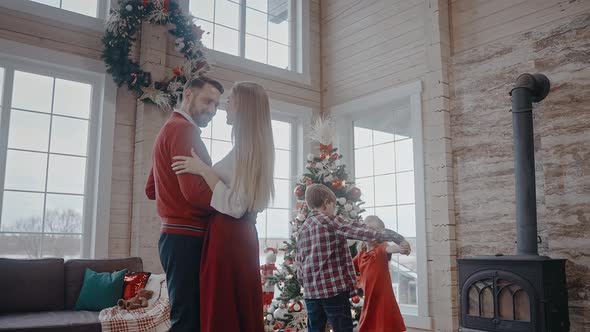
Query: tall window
<point>258,30</point>
<point>384,171</point>
<point>44,154</point>
<point>273,223</point>
<point>84,7</point>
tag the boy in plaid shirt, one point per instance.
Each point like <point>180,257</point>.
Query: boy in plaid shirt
<point>324,264</point>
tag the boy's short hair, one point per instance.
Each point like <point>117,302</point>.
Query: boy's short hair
<point>317,194</point>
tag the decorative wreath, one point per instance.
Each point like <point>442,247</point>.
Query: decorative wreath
<point>121,28</point>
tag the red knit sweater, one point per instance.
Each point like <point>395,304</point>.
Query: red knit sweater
<point>183,201</point>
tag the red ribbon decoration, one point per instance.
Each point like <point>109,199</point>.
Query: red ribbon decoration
<point>327,148</point>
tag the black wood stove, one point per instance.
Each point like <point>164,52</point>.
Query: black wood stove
<point>525,292</point>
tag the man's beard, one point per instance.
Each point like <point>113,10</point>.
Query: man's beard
<point>201,119</point>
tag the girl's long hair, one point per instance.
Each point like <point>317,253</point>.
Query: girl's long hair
<point>254,145</point>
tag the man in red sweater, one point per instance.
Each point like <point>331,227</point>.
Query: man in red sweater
<point>183,201</point>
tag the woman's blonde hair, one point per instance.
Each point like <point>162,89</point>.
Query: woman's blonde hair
<point>254,145</point>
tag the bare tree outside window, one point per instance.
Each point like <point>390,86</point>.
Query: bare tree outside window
<point>61,237</point>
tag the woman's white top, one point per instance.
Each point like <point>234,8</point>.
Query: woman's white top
<point>224,200</point>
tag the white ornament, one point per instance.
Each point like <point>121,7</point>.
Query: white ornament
<point>353,214</point>
<point>281,313</point>
<point>341,200</point>
<point>301,217</point>
<point>129,8</point>
<point>348,207</point>
<point>289,277</point>
<point>310,157</point>
<point>269,317</point>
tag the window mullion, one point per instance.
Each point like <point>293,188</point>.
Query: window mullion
<point>242,32</point>
<point>103,9</point>
<point>47,170</point>
<point>293,35</point>
<point>4,127</point>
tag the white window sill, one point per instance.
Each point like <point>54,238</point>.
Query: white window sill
<point>247,66</point>
<point>418,322</point>
<point>53,13</point>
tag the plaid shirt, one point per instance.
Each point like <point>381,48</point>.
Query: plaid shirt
<point>324,264</point>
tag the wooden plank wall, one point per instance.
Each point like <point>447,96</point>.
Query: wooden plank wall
<point>29,29</point>
<point>369,46</point>
<point>478,22</point>
<point>493,42</point>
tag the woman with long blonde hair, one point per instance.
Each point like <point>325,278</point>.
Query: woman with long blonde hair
<point>242,186</point>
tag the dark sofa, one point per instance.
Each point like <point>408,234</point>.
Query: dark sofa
<point>40,294</point>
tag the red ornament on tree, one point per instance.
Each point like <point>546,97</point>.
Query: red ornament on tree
<point>178,71</point>
<point>326,148</point>
<point>296,306</point>
<point>354,193</point>
<point>334,156</point>
<point>356,299</point>
<point>300,191</point>
<point>337,184</point>
<point>324,155</point>
<point>277,326</point>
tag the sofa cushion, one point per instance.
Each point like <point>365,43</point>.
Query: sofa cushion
<point>74,273</point>
<point>54,321</point>
<point>31,284</point>
<point>100,290</point>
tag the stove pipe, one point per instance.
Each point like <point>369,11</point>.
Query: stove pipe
<point>528,89</point>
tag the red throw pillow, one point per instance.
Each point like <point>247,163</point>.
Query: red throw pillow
<point>134,281</point>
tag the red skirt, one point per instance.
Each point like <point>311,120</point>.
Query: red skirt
<point>231,290</point>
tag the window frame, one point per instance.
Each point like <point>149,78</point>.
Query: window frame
<point>299,12</point>
<point>97,194</point>
<point>61,15</point>
<point>409,96</point>
<point>300,119</point>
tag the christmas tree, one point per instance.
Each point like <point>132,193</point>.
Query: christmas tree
<point>287,313</point>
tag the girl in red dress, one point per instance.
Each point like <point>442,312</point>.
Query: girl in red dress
<point>242,185</point>
<point>380,310</point>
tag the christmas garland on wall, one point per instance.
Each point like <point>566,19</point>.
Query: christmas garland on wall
<point>122,27</point>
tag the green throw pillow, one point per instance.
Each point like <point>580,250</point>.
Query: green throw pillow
<point>100,290</point>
